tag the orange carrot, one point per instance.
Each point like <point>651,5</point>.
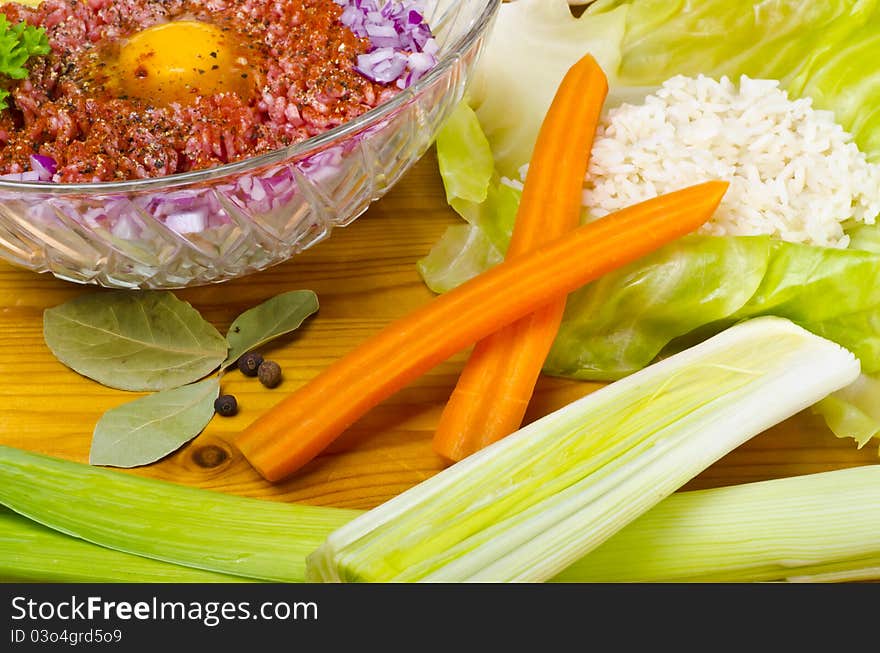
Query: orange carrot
<point>495,386</point>
<point>300,426</point>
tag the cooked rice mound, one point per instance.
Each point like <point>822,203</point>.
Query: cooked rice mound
<point>794,173</point>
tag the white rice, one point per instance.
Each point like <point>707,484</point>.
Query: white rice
<point>794,173</point>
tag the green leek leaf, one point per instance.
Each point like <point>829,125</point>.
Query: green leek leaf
<point>32,553</point>
<point>213,531</point>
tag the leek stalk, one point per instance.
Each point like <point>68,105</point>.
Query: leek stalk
<point>815,528</point>
<point>530,505</point>
<point>32,553</point>
<point>819,528</point>
<point>202,529</point>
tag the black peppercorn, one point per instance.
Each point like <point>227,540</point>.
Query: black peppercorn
<point>269,373</point>
<point>226,405</point>
<point>250,363</point>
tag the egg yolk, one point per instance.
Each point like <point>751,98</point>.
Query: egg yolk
<point>177,61</point>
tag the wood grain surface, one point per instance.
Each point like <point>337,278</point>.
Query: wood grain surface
<point>365,275</point>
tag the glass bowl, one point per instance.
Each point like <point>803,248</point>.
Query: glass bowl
<point>213,225</point>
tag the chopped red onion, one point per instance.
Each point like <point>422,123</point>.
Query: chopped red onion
<point>397,32</point>
<point>192,222</point>
<point>421,62</point>
<point>30,175</point>
<point>431,47</point>
<point>45,166</point>
<point>383,65</point>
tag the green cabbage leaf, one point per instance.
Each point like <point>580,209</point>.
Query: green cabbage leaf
<point>699,285</point>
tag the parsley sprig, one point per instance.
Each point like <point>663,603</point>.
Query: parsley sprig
<point>18,43</point>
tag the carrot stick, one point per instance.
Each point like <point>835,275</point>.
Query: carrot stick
<point>300,426</point>
<point>498,380</point>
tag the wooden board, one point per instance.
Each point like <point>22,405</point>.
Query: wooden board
<point>364,276</point>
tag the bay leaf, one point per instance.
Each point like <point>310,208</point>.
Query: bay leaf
<point>149,428</point>
<point>133,340</point>
<point>273,318</point>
